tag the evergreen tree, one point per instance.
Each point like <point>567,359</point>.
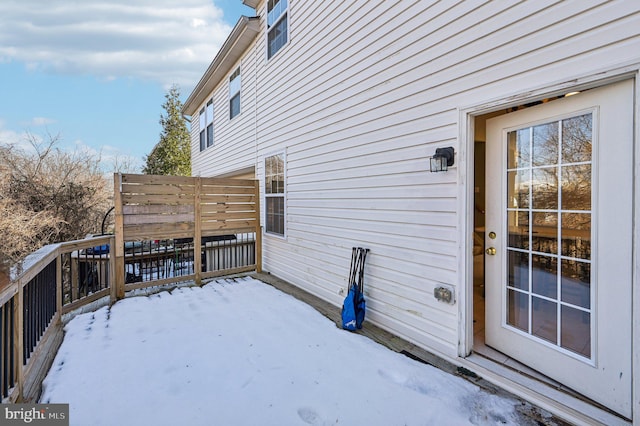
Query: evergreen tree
<point>172,154</point>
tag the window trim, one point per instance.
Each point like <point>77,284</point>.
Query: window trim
<point>284,15</point>
<point>236,74</point>
<point>282,195</point>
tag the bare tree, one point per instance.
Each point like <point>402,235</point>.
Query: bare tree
<point>125,164</point>
<point>48,195</point>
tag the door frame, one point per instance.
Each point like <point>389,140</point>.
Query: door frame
<point>466,137</point>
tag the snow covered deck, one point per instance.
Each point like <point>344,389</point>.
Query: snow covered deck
<point>238,351</point>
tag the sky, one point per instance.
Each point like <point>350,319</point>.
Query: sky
<point>95,72</point>
<point>240,352</point>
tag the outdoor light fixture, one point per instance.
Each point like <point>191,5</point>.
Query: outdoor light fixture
<point>442,159</point>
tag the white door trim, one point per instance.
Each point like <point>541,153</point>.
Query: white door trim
<point>635,327</point>
<point>465,156</point>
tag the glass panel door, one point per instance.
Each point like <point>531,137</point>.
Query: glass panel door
<point>559,221</point>
<point>549,187</point>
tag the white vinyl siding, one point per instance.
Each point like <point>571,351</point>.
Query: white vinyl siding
<point>234,139</point>
<point>363,98</point>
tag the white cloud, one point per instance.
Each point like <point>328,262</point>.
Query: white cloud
<point>9,137</point>
<point>39,121</point>
<point>169,41</point>
<point>15,139</point>
<point>196,23</point>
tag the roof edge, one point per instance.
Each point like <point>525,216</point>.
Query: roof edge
<point>251,3</point>
<point>231,45</point>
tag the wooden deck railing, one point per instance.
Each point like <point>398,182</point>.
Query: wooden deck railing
<point>168,230</point>
<point>31,307</point>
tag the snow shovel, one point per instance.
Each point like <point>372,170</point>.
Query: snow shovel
<point>360,303</point>
<point>353,307</point>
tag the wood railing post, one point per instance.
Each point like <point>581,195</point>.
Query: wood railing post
<point>59,282</point>
<point>197,231</point>
<point>111,268</point>
<point>258,238</point>
<point>18,329</point>
<point>74,276</point>
<point>116,254</point>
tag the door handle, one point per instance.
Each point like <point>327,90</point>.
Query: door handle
<point>491,251</point>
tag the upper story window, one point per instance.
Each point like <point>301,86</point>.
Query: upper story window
<point>277,26</point>
<point>203,135</point>
<point>234,93</point>
<point>206,126</point>
<point>209,123</point>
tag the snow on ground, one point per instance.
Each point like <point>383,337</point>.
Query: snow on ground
<point>239,352</point>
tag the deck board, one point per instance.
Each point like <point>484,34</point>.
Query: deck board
<point>398,344</point>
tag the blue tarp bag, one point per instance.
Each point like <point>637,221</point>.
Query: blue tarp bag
<point>103,249</point>
<point>354,305</point>
<point>349,310</point>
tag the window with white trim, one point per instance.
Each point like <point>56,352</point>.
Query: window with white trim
<point>274,193</point>
<point>206,126</point>
<point>277,26</point>
<point>209,123</point>
<point>235,83</point>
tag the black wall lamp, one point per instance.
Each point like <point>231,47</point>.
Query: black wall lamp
<point>442,159</point>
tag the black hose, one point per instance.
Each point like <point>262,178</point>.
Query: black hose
<point>104,219</point>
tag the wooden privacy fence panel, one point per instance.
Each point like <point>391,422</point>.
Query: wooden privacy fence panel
<point>203,212</point>
<point>156,207</point>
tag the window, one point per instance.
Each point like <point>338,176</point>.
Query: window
<point>277,26</point>
<point>203,125</point>
<point>210,123</point>
<point>206,126</point>
<point>234,93</point>
<point>274,193</point>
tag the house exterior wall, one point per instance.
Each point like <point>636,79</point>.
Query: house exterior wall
<point>360,98</point>
<point>234,139</point>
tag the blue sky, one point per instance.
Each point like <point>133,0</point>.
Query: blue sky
<point>95,72</point>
